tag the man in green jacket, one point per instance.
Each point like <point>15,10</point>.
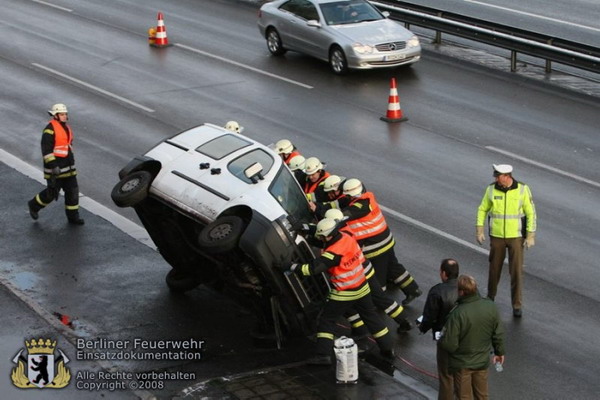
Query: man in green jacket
<point>473,329</point>
<point>512,223</point>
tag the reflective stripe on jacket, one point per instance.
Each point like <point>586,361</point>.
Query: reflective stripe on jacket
<point>510,212</point>
<point>62,139</point>
<point>371,224</point>
<point>349,273</point>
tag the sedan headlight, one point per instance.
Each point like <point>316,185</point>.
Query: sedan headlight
<point>412,42</point>
<point>360,48</point>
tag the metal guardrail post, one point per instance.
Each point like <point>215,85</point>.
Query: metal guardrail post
<point>513,61</point>
<point>549,49</point>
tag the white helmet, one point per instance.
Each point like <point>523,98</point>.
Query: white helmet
<point>284,146</point>
<point>325,227</point>
<point>297,163</point>
<point>331,183</point>
<point>234,127</point>
<point>335,214</point>
<point>57,108</point>
<point>312,165</point>
<point>353,187</point>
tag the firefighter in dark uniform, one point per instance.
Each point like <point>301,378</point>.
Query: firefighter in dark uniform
<point>315,176</point>
<point>343,261</point>
<point>331,198</point>
<point>286,150</point>
<point>370,229</point>
<point>59,167</point>
<point>296,165</point>
<point>381,300</point>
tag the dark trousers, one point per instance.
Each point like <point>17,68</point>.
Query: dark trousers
<point>71,190</point>
<point>498,249</point>
<point>388,269</point>
<point>381,301</point>
<point>471,384</point>
<point>334,309</point>
<point>445,378</point>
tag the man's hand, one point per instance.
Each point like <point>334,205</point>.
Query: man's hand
<point>55,171</point>
<point>312,206</point>
<point>479,236</point>
<point>530,240</point>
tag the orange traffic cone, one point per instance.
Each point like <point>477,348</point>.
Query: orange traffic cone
<point>160,40</point>
<point>394,112</point>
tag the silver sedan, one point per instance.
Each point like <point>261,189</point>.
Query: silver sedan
<point>346,33</point>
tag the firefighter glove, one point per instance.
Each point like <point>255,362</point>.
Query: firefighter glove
<point>530,240</point>
<point>55,171</point>
<point>479,236</point>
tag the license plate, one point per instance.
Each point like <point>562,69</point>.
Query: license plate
<point>393,57</point>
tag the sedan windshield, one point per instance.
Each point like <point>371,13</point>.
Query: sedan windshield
<point>349,12</point>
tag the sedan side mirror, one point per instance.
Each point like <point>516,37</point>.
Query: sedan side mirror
<point>313,23</point>
<point>386,14</point>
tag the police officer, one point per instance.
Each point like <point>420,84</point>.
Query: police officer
<point>59,167</point>
<point>343,261</point>
<point>370,229</point>
<point>508,204</point>
<point>382,301</point>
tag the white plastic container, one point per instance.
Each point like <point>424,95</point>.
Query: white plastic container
<point>346,354</point>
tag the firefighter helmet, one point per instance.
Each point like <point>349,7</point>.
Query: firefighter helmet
<point>312,166</point>
<point>334,213</point>
<point>234,127</point>
<point>353,187</point>
<point>58,108</point>
<point>331,183</point>
<point>284,146</point>
<point>325,227</point>
<point>297,163</point>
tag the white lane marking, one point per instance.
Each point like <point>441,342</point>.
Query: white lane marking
<point>433,230</point>
<point>52,5</point>
<point>127,226</point>
<point>533,15</point>
<point>90,86</point>
<point>258,71</point>
<point>544,166</point>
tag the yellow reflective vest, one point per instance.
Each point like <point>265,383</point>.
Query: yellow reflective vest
<point>511,212</point>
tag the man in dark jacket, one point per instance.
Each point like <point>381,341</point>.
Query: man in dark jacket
<point>440,301</point>
<point>472,330</point>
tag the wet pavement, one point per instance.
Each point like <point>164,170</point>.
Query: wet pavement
<point>110,286</point>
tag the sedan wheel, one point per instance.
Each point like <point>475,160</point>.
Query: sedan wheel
<point>337,61</point>
<point>274,43</point>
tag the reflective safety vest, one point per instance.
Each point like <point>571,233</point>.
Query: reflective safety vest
<point>62,139</point>
<point>310,187</point>
<point>371,224</point>
<point>349,273</point>
<point>289,157</point>
<point>511,214</point>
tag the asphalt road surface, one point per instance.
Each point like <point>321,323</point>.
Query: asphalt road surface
<point>429,173</point>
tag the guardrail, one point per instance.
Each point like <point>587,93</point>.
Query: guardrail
<point>516,40</point>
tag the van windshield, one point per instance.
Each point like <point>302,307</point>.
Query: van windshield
<point>288,193</point>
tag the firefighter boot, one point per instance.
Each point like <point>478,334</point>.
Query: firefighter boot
<point>33,211</point>
<point>411,296</point>
<point>75,220</point>
<point>403,325</point>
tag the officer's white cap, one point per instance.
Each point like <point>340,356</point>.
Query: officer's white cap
<point>503,168</point>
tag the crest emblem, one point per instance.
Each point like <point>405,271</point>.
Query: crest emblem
<point>42,368</point>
